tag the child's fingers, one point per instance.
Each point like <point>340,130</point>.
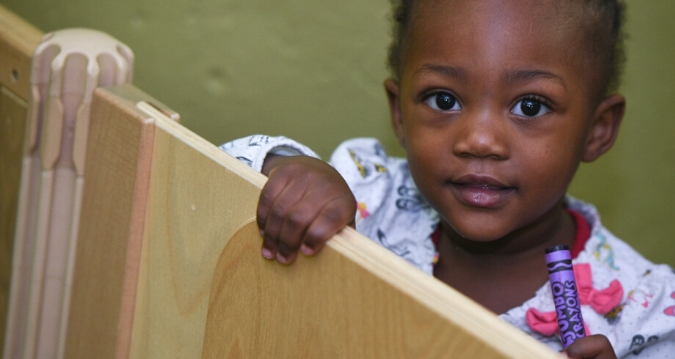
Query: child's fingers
<point>279,212</point>
<point>269,248</point>
<point>299,219</point>
<point>272,189</point>
<point>313,206</point>
<point>294,226</point>
<point>299,195</point>
<point>593,346</point>
<point>310,251</point>
<point>334,216</point>
<point>286,258</point>
<point>267,196</point>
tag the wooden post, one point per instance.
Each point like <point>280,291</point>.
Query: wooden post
<point>66,66</point>
<point>18,40</point>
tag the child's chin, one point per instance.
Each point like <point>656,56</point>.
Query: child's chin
<point>482,238</point>
<point>481,234</point>
<point>481,228</point>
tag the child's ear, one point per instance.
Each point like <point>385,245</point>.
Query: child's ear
<point>393,95</point>
<point>605,127</point>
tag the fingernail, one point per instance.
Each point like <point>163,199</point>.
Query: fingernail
<point>281,259</point>
<point>306,250</point>
<point>267,253</point>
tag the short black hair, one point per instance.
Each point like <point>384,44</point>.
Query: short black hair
<point>603,25</point>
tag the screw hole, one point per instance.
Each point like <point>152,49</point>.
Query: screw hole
<point>15,75</point>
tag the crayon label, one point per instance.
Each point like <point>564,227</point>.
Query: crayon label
<point>565,296</point>
<point>568,311</point>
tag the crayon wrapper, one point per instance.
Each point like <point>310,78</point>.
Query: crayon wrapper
<point>565,296</point>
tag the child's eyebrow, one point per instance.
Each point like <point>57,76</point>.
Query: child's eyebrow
<point>530,75</point>
<point>447,71</point>
<point>510,77</point>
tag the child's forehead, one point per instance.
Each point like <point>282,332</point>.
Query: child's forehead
<point>586,35</point>
<point>498,25</point>
<point>496,38</point>
<point>564,14</point>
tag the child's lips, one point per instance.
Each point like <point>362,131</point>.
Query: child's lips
<point>481,191</point>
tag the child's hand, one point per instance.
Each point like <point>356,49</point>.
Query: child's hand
<point>304,203</point>
<point>594,346</point>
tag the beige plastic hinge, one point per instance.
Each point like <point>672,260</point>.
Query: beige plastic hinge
<point>67,67</point>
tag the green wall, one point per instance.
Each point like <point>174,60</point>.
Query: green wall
<point>634,184</point>
<point>313,71</point>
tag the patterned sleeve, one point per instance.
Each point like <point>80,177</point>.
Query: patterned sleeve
<point>623,296</point>
<point>646,324</point>
<point>390,209</point>
<point>252,150</point>
<point>642,323</point>
<point>369,172</point>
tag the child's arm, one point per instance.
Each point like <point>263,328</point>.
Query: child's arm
<point>303,204</point>
<point>391,211</point>
<point>592,347</point>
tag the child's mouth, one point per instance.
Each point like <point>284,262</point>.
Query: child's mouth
<point>481,191</point>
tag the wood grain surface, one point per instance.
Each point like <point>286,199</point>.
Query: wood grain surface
<point>111,229</point>
<point>198,197</point>
<point>18,40</point>
<point>12,124</point>
<point>353,300</point>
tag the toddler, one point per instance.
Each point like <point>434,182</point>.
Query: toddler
<point>496,103</point>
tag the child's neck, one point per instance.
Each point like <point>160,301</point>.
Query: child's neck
<point>504,273</point>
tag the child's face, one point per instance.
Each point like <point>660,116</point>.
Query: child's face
<point>494,107</point>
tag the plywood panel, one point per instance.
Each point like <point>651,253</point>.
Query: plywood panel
<point>12,124</point>
<point>18,40</point>
<point>111,228</point>
<point>354,300</point>
<point>196,201</point>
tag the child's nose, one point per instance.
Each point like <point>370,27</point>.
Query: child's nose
<point>482,134</point>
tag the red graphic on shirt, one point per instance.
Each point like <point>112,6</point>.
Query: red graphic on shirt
<point>634,296</point>
<point>670,310</point>
<point>363,210</point>
<point>603,301</point>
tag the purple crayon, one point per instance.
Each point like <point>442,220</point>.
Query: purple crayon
<point>565,296</point>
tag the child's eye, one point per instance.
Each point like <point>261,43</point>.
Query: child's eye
<point>530,108</point>
<point>442,101</point>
